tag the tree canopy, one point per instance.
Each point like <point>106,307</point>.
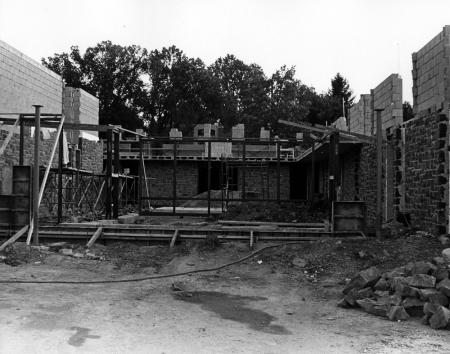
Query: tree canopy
<point>161,89</point>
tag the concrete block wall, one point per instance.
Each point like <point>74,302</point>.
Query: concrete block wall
<point>431,74</point>
<point>91,158</point>
<point>349,176</point>
<point>24,82</point>
<point>426,171</point>
<point>80,107</point>
<point>388,95</point>
<point>360,115</point>
<point>160,180</point>
<point>263,181</point>
<point>367,177</point>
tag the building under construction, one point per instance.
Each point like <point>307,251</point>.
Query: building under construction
<point>396,170</point>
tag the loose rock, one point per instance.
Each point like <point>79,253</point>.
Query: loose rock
<point>422,281</point>
<point>364,279</point>
<point>441,318</point>
<point>397,313</point>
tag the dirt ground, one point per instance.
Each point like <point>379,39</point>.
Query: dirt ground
<point>280,301</point>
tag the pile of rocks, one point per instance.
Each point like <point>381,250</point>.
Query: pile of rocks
<point>418,289</point>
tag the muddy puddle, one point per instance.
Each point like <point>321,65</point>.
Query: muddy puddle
<point>234,308</point>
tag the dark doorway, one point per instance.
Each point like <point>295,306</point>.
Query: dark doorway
<point>203,176</point>
<point>299,182</point>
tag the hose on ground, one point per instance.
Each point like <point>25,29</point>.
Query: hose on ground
<point>150,277</point>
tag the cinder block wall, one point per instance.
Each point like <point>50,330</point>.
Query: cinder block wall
<point>80,107</point>
<point>160,181</point>
<point>349,174</point>
<point>24,82</point>
<point>91,157</point>
<point>160,176</point>
<point>388,96</point>
<point>426,171</point>
<point>431,74</point>
<point>360,116</point>
<point>367,176</point>
<point>263,181</point>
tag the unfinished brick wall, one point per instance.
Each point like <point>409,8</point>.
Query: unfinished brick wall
<point>349,175</point>
<point>426,171</point>
<point>262,181</point>
<point>367,176</point>
<point>160,181</point>
<point>91,158</point>
<point>431,74</point>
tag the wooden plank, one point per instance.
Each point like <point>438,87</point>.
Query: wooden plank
<point>267,223</point>
<point>44,181</point>
<point>94,237</point>
<point>8,138</point>
<point>174,238</point>
<point>14,238</point>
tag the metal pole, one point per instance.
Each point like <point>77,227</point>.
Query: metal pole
<point>108,178</point>
<point>332,169</point>
<point>174,178</point>
<point>243,169</point>
<point>313,171</point>
<point>21,141</point>
<point>141,163</point>
<point>209,177</point>
<point>116,195</point>
<point>379,212</point>
<point>37,136</point>
<point>278,172</point>
<point>60,163</point>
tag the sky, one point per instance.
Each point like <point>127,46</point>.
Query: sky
<point>364,40</point>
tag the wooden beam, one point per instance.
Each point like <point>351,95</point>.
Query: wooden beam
<point>14,238</point>
<point>8,138</point>
<point>94,237</point>
<point>323,129</point>
<point>174,238</point>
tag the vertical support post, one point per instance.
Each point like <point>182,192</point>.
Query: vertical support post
<point>116,195</point>
<point>60,163</point>
<point>243,169</point>
<point>379,172</point>
<point>21,141</point>
<point>108,177</point>
<point>36,173</point>
<point>141,164</point>
<point>278,171</point>
<point>174,179</point>
<point>331,169</point>
<point>209,177</point>
<point>313,172</point>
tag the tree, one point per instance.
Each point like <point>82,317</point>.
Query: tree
<point>326,108</point>
<point>183,92</point>
<point>408,112</point>
<point>110,72</point>
<point>289,98</point>
<point>243,93</point>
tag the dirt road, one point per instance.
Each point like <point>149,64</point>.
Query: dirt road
<point>255,307</point>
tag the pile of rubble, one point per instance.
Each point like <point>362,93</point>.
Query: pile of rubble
<point>418,289</point>
<point>21,253</point>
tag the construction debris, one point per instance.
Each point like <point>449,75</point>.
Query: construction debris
<point>417,289</point>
